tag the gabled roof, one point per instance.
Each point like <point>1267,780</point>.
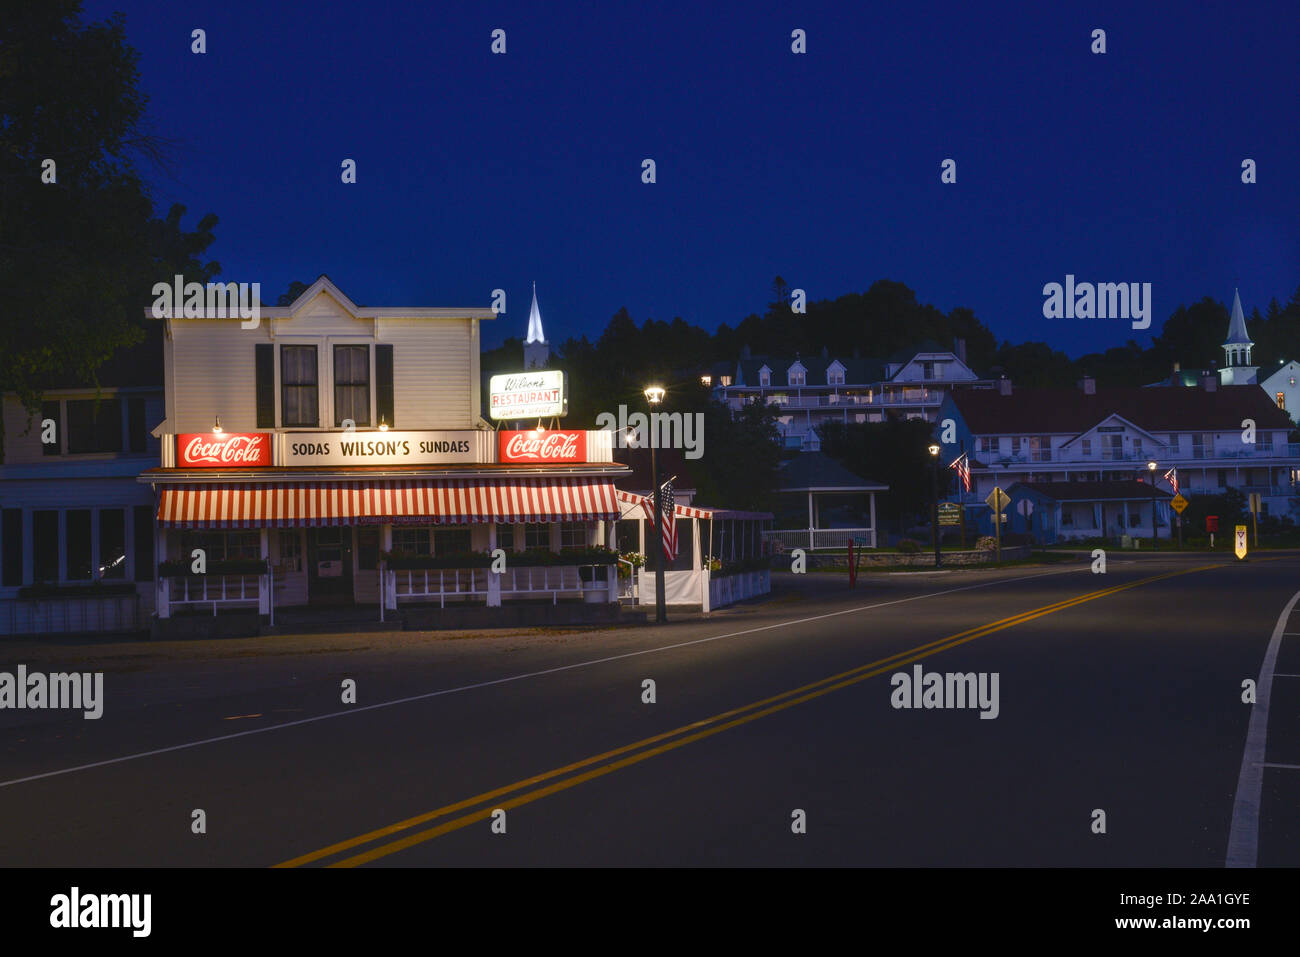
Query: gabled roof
<point>1093,491</point>
<point>1070,411</point>
<point>817,471</point>
<point>856,371</point>
<point>325,285</point>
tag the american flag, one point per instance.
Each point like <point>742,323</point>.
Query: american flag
<point>1172,478</point>
<point>962,465</point>
<point>669,525</point>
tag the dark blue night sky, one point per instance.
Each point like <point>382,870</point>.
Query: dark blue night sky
<point>478,171</point>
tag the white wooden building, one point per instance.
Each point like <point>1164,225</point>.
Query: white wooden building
<point>351,438</point>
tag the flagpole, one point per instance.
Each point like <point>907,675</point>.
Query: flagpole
<point>654,395</point>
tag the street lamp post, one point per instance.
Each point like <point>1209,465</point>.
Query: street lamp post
<point>654,395</point>
<point>1155,534</point>
<point>934,496</point>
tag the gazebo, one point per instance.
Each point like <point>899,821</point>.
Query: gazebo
<point>817,475</point>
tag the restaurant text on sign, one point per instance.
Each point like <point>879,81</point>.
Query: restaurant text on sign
<point>527,395</point>
<point>532,446</point>
<point>205,450</point>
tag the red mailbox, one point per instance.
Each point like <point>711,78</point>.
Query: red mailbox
<point>1211,523</point>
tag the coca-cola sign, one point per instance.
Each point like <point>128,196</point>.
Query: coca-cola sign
<point>551,446</point>
<point>208,450</point>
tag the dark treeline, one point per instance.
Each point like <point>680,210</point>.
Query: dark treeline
<point>875,324</point>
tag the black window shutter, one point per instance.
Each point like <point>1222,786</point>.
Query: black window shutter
<point>135,423</point>
<point>11,541</point>
<point>384,384</point>
<point>265,385</point>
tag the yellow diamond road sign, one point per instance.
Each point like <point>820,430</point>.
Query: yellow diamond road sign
<point>1178,503</point>
<point>997,499</point>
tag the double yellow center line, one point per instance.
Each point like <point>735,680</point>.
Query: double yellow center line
<point>609,761</point>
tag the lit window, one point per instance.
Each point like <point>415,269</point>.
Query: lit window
<point>1281,398</point>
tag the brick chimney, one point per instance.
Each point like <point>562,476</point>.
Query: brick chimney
<point>1004,386</point>
<point>959,347</point>
<point>1088,385</point>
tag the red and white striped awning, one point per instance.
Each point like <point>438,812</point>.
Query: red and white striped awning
<point>396,501</point>
<point>690,511</point>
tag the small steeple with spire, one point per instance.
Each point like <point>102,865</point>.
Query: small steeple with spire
<point>1236,349</point>
<point>537,352</point>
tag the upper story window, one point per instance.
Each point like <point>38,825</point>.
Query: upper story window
<point>299,390</point>
<point>1087,447</point>
<point>724,380</point>
<point>927,370</point>
<point>764,378</point>
<point>835,375</point>
<point>988,445</point>
<point>94,426</point>
<point>1281,399</point>
<point>352,384</point>
<point>798,378</point>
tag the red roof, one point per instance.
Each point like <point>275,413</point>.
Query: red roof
<point>1171,409</point>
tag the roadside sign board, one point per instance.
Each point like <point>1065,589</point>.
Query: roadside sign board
<point>860,540</point>
<point>949,513</point>
<point>1025,507</point>
<point>1254,503</point>
<point>1178,503</point>
<point>1241,541</point>
<point>997,499</point>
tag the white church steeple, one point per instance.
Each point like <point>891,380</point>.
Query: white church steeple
<point>536,350</point>
<point>1236,349</point>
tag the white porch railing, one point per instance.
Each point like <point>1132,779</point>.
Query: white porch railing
<point>426,584</point>
<point>784,539</point>
<point>214,590</point>
<point>534,581</point>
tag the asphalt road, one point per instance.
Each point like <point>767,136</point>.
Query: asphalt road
<point>1119,693</point>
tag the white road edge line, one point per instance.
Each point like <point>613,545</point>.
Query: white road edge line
<point>1243,839</point>
<point>531,674</point>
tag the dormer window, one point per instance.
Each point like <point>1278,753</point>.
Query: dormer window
<point>796,375</point>
<point>835,374</point>
<point>798,378</point>
<point>765,377</point>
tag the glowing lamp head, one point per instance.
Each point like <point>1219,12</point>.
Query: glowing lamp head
<point>1151,466</point>
<point>934,450</point>
<point>654,394</point>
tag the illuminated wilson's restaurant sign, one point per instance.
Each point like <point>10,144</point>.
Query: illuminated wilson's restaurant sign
<point>527,395</point>
<point>207,450</point>
<point>544,447</point>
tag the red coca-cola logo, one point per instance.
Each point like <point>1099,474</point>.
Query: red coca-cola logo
<point>236,448</point>
<point>531,446</point>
